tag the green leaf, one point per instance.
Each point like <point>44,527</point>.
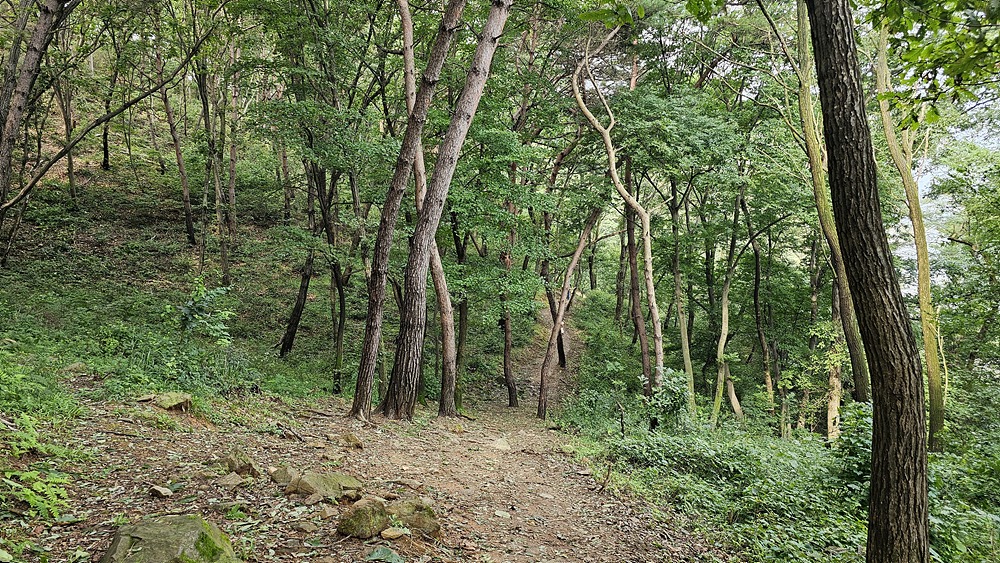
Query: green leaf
<point>5,557</point>
<point>384,554</point>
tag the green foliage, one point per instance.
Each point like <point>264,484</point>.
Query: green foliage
<point>36,493</point>
<point>201,313</point>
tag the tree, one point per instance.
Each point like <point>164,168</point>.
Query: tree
<point>897,514</point>
<point>400,400</point>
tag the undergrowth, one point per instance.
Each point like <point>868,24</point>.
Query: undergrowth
<point>771,499</point>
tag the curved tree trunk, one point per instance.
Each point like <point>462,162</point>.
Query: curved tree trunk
<point>897,515</point>
<point>563,304</point>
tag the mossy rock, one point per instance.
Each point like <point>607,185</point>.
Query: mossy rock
<point>418,516</point>
<point>171,539</point>
<point>366,519</point>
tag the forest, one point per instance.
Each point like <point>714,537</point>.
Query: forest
<point>499,281</point>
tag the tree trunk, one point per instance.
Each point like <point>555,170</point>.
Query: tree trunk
<point>361,407</point>
<point>449,353</point>
<point>18,82</point>
<point>638,319</point>
<point>902,158</point>
<point>720,349</point>
<point>563,304</point>
<point>897,515</point>
<point>292,327</point>
<point>400,398</point>
<point>836,389</point>
<point>632,202</point>
<point>758,316</point>
<point>814,152</point>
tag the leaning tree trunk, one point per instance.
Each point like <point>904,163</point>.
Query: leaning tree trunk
<point>178,154</point>
<point>361,407</point>
<point>563,304</point>
<point>897,515</point>
<point>449,353</point>
<point>902,157</point>
<point>400,398</point>
<point>638,319</point>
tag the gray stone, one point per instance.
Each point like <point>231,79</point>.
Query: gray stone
<point>366,519</point>
<point>170,539</point>
<point>239,462</point>
<point>417,515</point>
<point>335,486</point>
<point>283,474</point>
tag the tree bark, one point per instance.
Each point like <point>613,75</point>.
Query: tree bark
<point>897,516</point>
<point>902,158</point>
<point>638,319</point>
<point>400,398</point>
<point>449,353</point>
<point>178,154</point>
<point>371,344</point>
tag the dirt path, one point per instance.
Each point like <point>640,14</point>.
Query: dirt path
<point>503,485</point>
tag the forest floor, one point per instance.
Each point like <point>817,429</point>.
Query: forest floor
<point>505,486</point>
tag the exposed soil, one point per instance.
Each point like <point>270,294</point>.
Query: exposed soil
<point>503,484</point>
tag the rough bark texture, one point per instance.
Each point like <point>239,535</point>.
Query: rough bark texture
<point>638,319</point>
<point>400,398</point>
<point>898,518</point>
<point>361,407</point>
<point>902,158</point>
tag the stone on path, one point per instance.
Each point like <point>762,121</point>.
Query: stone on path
<point>417,515</point>
<point>366,519</point>
<point>160,492</point>
<point>170,539</point>
<point>239,462</point>
<point>282,474</point>
<point>173,401</point>
<point>394,533</point>
<point>335,486</point>
<point>231,481</point>
<point>501,444</point>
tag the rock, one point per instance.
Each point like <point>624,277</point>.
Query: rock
<point>173,401</point>
<point>417,515</point>
<point>242,464</point>
<point>546,496</point>
<point>231,481</point>
<point>282,474</point>
<point>384,554</point>
<point>501,444</point>
<point>394,533</point>
<point>366,519</point>
<point>350,441</point>
<point>170,539</point>
<point>328,512</point>
<point>502,514</point>
<point>160,492</point>
<point>307,527</point>
<point>314,498</point>
<point>331,485</point>
<point>411,483</point>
